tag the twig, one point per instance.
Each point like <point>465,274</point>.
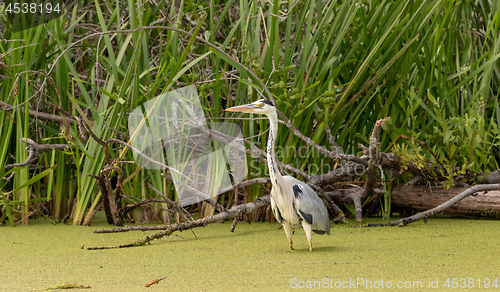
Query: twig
<point>337,175</point>
<point>110,206</point>
<point>69,286</point>
<point>358,209</point>
<point>96,208</point>
<point>154,282</point>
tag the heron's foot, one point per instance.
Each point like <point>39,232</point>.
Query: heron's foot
<point>290,244</point>
<point>310,246</point>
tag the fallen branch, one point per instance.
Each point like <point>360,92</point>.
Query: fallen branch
<point>442,207</point>
<point>234,212</point>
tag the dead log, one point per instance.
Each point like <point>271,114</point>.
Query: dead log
<point>421,198</point>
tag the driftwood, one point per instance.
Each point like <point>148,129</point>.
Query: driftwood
<point>423,198</point>
<point>167,230</point>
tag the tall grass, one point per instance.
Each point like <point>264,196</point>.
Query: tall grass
<point>432,66</point>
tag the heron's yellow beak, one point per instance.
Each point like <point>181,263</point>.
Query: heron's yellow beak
<point>247,108</point>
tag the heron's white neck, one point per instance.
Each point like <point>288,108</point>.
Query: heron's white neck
<point>271,141</point>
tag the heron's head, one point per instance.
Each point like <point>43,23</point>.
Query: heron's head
<point>261,106</point>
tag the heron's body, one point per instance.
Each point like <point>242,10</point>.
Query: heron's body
<point>293,202</point>
<point>292,207</point>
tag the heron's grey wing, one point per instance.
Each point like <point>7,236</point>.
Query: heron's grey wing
<point>275,209</point>
<point>309,206</point>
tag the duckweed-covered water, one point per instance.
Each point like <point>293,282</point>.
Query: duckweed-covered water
<point>255,258</point>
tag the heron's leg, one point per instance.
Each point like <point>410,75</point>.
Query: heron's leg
<point>288,230</point>
<point>308,228</point>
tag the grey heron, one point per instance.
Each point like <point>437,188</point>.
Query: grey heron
<point>293,202</point>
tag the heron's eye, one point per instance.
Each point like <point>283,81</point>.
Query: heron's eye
<point>260,105</point>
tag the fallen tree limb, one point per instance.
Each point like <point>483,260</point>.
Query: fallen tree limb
<point>234,212</point>
<point>442,207</point>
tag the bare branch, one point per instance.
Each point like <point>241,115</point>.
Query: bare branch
<point>442,207</point>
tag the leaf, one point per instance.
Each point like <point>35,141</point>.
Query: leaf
<point>33,179</point>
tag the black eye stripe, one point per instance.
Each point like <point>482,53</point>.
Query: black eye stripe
<point>267,102</point>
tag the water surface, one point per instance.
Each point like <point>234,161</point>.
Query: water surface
<point>253,258</point>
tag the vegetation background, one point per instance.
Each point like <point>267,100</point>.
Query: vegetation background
<point>431,66</point>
